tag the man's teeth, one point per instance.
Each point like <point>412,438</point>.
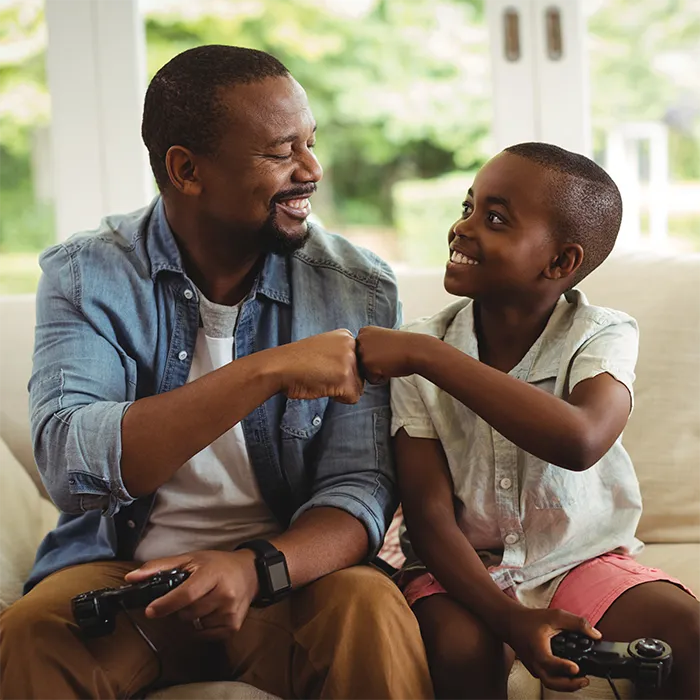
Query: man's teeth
<point>462,259</point>
<point>297,203</point>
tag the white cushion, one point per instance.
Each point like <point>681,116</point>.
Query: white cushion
<point>25,517</point>
<point>662,437</point>
<point>224,690</point>
<point>521,685</point>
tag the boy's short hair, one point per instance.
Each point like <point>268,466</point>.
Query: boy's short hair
<point>585,203</point>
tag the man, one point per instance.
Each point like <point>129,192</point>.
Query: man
<point>185,356</point>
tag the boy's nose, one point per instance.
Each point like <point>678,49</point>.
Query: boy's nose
<point>462,229</point>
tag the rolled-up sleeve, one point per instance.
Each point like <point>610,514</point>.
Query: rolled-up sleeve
<point>354,466</point>
<point>612,349</point>
<point>408,410</point>
<point>79,390</point>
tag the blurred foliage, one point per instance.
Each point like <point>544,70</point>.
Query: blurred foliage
<point>400,89</point>
<point>425,211</point>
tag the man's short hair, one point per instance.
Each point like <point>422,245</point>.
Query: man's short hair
<point>585,204</point>
<point>183,105</point>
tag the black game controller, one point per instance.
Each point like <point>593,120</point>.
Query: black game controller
<point>95,611</point>
<point>646,662</point>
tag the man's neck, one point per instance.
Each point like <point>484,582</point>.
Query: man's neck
<point>220,269</point>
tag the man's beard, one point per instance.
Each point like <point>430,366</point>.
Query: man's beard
<point>274,240</point>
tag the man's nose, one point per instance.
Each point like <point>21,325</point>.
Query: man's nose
<point>308,168</point>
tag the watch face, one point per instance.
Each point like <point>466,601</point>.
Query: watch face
<point>278,576</point>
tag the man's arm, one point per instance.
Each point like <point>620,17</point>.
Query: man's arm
<point>160,433</point>
<point>573,433</point>
<point>320,541</point>
<point>97,447</point>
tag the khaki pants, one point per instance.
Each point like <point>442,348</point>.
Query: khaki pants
<point>348,635</point>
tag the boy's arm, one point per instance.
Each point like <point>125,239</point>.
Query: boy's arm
<point>425,487</point>
<point>573,433</point>
<point>426,493</point>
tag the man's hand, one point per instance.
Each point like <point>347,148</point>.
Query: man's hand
<point>216,596</point>
<point>383,353</point>
<point>530,633</point>
<point>322,365</point>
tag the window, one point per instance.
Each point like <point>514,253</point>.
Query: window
<point>401,93</point>
<point>645,90</point>
<point>26,198</point>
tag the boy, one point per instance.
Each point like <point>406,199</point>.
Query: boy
<point>508,415</point>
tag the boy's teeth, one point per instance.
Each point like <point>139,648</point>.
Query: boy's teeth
<point>462,259</point>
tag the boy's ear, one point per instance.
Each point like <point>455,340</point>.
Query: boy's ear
<point>566,263</point>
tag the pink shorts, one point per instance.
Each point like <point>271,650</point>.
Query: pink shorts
<point>587,590</point>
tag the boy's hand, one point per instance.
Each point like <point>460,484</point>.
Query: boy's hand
<point>530,635</point>
<point>383,353</point>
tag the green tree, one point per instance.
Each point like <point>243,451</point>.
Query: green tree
<point>644,66</point>
<point>399,90</point>
<point>25,224</point>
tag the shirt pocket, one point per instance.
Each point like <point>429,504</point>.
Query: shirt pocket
<point>303,418</point>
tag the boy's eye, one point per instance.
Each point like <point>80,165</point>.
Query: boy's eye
<point>494,218</point>
<point>467,208</point>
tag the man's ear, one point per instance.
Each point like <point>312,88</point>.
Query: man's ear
<point>182,170</point>
<point>567,262</point>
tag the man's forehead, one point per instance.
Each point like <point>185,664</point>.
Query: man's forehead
<point>264,108</point>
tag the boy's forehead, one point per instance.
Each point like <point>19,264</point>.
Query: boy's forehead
<point>512,177</point>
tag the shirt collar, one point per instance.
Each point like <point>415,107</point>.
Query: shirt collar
<point>160,243</point>
<point>164,254</point>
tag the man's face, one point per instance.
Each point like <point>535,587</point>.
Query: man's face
<point>259,181</point>
<point>502,242</point>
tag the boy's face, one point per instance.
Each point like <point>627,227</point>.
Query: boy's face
<point>501,244</point>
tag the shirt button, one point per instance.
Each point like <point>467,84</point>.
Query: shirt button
<point>506,483</point>
<point>182,354</point>
<point>511,538</point>
<point>188,294</point>
<point>131,524</point>
<point>316,421</point>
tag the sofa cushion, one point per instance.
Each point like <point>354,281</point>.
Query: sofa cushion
<point>25,517</point>
<point>681,561</point>
<point>223,690</point>
<point>663,434</point>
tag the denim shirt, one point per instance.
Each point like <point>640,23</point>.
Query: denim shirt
<point>117,320</point>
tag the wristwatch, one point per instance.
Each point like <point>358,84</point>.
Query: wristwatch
<point>273,575</point>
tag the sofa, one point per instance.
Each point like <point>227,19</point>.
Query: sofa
<point>663,435</point>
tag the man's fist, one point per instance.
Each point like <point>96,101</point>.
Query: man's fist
<point>322,365</point>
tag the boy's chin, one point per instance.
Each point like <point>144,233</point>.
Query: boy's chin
<point>456,287</point>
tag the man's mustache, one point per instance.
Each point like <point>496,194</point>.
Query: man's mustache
<point>294,193</point>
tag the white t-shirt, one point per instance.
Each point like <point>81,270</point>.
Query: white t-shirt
<point>213,501</point>
<point>531,521</point>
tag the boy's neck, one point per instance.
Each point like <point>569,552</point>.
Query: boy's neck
<point>506,332</point>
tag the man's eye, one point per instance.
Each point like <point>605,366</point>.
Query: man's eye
<point>311,145</point>
<point>280,156</point>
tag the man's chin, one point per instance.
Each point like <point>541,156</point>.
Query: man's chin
<point>286,241</point>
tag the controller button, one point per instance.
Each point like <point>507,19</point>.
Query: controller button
<point>649,648</point>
